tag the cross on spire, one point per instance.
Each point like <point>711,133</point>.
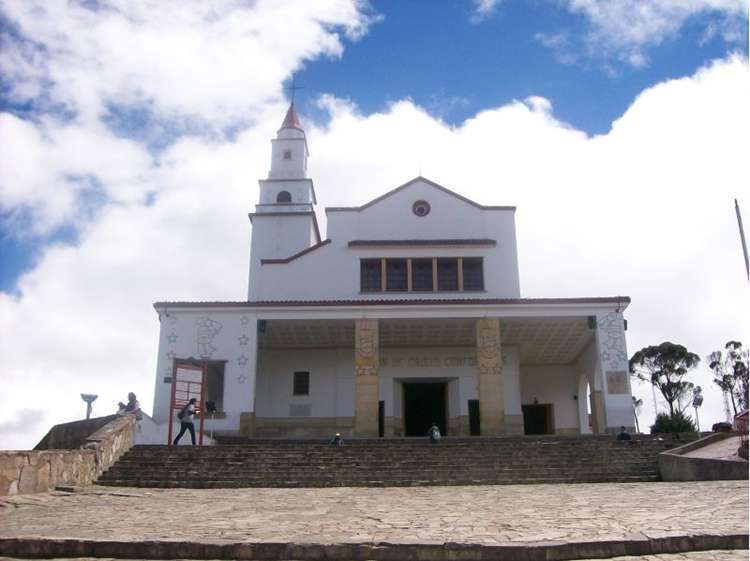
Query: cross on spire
<point>293,88</point>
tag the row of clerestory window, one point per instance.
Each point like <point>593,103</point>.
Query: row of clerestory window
<point>430,274</point>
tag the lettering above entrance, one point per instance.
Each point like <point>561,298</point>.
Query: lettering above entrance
<point>428,362</point>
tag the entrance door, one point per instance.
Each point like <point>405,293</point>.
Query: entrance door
<point>538,419</point>
<point>474,428</point>
<point>424,404</point>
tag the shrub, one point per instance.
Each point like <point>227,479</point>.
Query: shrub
<point>678,422</point>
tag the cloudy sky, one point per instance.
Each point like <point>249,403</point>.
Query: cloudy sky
<point>132,135</point>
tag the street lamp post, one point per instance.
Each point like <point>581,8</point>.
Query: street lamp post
<point>697,402</point>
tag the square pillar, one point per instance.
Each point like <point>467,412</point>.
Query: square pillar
<point>366,364</point>
<point>598,416</point>
<point>490,370</point>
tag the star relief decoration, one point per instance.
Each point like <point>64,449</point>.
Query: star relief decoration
<point>241,379</point>
<point>172,338</point>
<point>244,339</point>
<point>244,320</point>
<point>242,360</point>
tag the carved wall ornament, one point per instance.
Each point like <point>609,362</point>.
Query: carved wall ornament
<point>366,357</point>
<point>489,359</point>
<point>612,347</point>
<point>205,331</point>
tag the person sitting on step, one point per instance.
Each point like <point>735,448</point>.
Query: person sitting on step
<point>624,434</point>
<point>434,433</point>
<point>336,440</point>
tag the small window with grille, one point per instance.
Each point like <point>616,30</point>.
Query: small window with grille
<point>301,383</point>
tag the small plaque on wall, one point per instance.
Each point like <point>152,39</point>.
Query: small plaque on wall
<point>167,379</point>
<point>617,382</point>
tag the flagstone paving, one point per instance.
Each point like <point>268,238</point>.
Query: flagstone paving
<point>487,515</point>
<point>719,555</point>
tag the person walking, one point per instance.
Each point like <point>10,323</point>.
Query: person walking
<point>186,421</point>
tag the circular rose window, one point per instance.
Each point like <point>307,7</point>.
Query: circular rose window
<point>421,208</point>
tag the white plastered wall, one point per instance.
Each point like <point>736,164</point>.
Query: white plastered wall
<point>309,277</point>
<point>331,382</point>
<point>555,384</point>
<point>511,380</point>
<point>224,335</point>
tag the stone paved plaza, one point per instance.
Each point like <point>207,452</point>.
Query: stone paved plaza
<point>488,515</point>
<point>720,555</point>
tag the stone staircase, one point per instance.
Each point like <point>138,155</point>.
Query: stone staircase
<point>241,462</point>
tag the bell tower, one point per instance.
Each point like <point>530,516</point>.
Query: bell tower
<point>284,220</point>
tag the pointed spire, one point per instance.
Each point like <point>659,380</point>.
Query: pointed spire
<point>291,121</point>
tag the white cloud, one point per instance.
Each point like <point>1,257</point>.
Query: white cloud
<point>644,210</point>
<point>211,61</point>
<point>483,9</point>
<point>626,29</point>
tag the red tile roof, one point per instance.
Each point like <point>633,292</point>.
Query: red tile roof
<point>291,121</point>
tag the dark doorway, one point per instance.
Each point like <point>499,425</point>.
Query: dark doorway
<point>538,419</point>
<point>474,429</point>
<point>381,419</point>
<point>424,403</point>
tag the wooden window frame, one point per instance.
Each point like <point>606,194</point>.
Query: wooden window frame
<point>361,278</point>
<point>410,274</point>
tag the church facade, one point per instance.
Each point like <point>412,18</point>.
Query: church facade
<point>407,312</point>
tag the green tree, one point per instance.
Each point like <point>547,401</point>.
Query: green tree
<point>679,422</point>
<point>730,371</point>
<point>665,367</point>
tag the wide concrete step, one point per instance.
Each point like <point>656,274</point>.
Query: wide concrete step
<point>399,462</point>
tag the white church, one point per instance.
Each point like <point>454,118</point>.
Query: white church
<point>405,312</point>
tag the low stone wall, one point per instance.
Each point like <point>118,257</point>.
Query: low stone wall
<point>35,471</point>
<point>69,436</point>
<point>675,466</point>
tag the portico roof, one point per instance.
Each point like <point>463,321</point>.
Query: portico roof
<point>620,301</point>
<point>542,340</point>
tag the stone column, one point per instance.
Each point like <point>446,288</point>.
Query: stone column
<point>490,370</point>
<point>598,418</point>
<point>616,404</point>
<point>366,363</point>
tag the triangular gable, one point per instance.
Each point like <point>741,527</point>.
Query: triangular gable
<point>409,184</point>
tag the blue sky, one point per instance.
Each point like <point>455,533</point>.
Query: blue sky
<point>455,68</point>
<point>132,135</point>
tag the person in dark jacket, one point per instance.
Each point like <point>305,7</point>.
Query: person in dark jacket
<point>186,416</point>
